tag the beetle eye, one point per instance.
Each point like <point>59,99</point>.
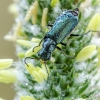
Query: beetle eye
<point>74,13</point>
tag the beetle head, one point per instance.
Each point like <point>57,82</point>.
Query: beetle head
<point>75,12</point>
<point>44,55</point>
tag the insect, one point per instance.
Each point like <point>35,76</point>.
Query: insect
<point>62,27</point>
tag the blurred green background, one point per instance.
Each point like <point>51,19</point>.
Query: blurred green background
<point>7,49</point>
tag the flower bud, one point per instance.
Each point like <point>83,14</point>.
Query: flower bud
<point>85,53</point>
<point>54,3</point>
<point>94,23</point>
<point>25,43</point>
<point>32,12</point>
<point>21,54</point>
<point>36,40</point>
<point>37,77</point>
<point>13,9</point>
<point>5,63</point>
<point>32,51</point>
<point>7,76</point>
<point>26,98</point>
<point>44,18</point>
<point>30,68</point>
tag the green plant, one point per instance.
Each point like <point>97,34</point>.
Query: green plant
<point>69,79</point>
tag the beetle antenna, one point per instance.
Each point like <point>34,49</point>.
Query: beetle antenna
<point>28,58</point>
<point>39,44</point>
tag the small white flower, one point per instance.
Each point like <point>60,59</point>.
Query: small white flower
<point>35,29</point>
<point>81,66</point>
<point>81,78</point>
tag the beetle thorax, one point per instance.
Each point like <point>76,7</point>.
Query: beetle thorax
<point>48,47</point>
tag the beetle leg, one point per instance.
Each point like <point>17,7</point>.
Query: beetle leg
<point>61,50</point>
<point>64,53</point>
<point>75,35</point>
<point>66,44</point>
<point>63,44</point>
<point>90,31</point>
<point>50,25</point>
<point>84,34</point>
<point>58,48</point>
<point>46,68</point>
